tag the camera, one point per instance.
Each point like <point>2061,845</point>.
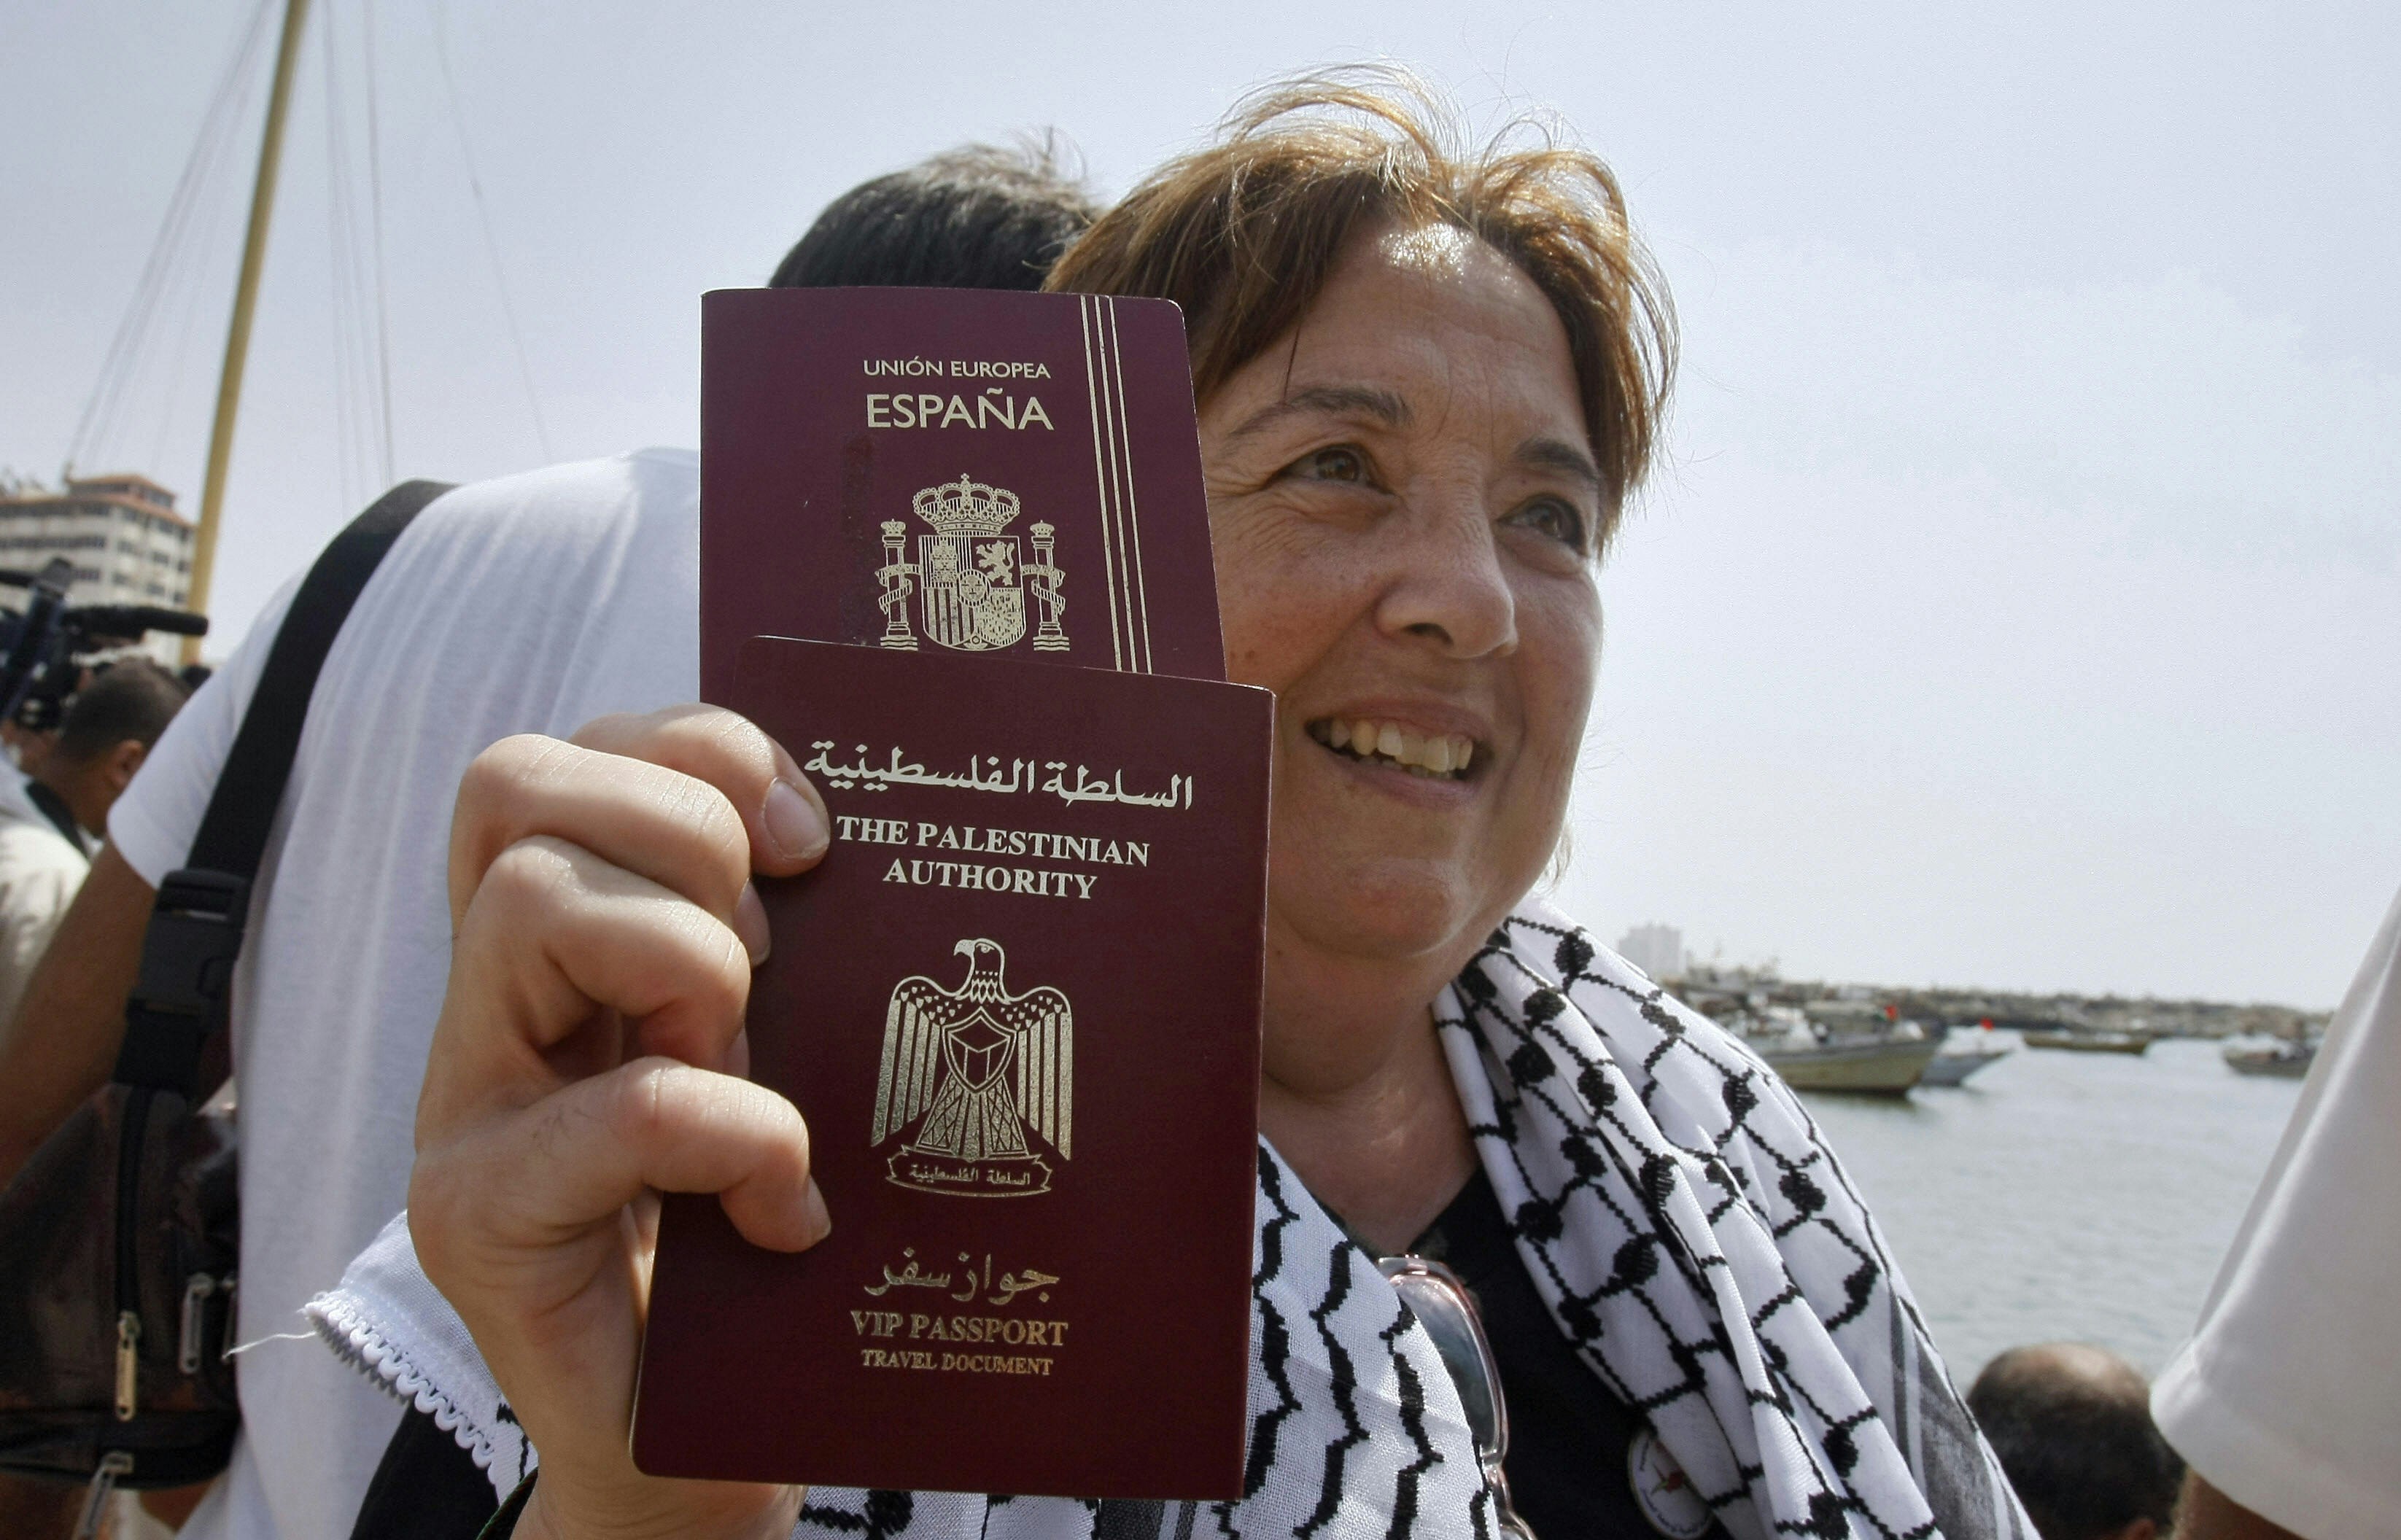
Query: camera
<point>45,645</point>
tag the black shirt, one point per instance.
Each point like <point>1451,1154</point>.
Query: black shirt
<point>1569,1435</point>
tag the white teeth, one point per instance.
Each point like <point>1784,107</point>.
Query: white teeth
<point>1441,755</point>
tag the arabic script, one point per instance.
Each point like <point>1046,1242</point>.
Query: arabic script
<point>985,772</point>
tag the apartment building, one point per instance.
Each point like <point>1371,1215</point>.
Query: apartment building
<point>128,543</point>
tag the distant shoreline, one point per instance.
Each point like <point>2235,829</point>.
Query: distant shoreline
<point>1712,989</point>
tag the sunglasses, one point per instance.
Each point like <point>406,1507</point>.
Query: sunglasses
<point>1444,1307</point>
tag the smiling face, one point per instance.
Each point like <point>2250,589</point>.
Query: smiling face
<point>1404,510</point>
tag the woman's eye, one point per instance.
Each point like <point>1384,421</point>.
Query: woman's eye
<point>1549,516</point>
<point>1340,463</point>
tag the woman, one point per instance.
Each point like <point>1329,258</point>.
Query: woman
<point>1427,382</point>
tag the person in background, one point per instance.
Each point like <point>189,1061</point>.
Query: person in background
<point>2284,1402</point>
<point>2072,1425</point>
<point>26,746</point>
<point>52,815</point>
<point>528,603</point>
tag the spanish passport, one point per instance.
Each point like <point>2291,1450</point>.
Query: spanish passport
<point>954,557</point>
<point>957,471</point>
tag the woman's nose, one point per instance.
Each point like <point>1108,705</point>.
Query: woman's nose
<point>1446,583</point>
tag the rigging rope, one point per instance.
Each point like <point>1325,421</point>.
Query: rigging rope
<point>170,252</point>
<point>361,366</point>
<point>181,304</point>
<point>338,264</point>
<point>375,205</point>
<point>484,216</point>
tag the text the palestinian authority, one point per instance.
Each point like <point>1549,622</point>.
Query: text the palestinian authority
<point>987,876</point>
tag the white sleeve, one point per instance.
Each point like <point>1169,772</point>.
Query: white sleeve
<point>153,822</point>
<point>2286,1397</point>
<point>39,876</point>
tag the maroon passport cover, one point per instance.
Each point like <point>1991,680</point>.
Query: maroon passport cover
<point>952,470</point>
<point>1018,1005</point>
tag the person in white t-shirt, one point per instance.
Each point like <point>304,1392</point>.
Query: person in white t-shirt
<point>42,863</point>
<point>2286,1402</point>
<point>530,604</point>
<point>50,815</point>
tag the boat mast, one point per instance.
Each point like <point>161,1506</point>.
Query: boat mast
<point>245,297</point>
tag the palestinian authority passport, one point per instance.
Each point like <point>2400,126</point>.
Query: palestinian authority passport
<point>1019,1001</point>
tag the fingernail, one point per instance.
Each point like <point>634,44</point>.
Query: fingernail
<point>751,924</point>
<point>815,1223</point>
<point>793,823</point>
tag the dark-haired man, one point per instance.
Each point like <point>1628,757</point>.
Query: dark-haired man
<point>529,604</point>
<point>50,815</point>
<point>975,217</point>
<point>2072,1425</point>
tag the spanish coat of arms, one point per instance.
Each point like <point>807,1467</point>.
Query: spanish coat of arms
<point>971,1078</point>
<point>971,578</point>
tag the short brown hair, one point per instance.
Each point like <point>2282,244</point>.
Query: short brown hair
<point>131,702</point>
<point>1244,233</point>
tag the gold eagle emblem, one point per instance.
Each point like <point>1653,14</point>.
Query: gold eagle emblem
<point>972,1077</point>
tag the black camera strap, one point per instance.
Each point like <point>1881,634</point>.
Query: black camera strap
<point>182,997</point>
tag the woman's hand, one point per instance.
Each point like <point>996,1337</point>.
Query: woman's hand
<point>589,1057</point>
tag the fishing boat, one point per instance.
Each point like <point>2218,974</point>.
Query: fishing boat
<point>2286,1061</point>
<point>1884,1066</point>
<point>2083,1040</point>
<point>1809,1058</point>
<point>1961,1055</point>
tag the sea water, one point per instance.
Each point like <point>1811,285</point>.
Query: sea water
<point>2084,1197</point>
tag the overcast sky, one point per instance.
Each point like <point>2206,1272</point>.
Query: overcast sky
<point>2018,606</point>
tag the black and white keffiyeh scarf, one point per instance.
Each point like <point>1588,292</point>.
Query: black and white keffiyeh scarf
<point>1678,1210</point>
